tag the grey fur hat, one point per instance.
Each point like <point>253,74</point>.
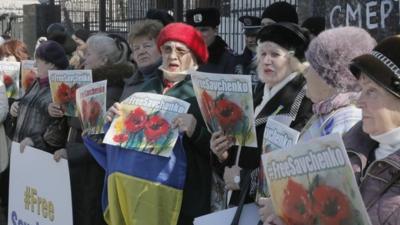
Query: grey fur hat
<point>331,52</point>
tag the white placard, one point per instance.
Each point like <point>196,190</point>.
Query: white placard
<point>40,192</point>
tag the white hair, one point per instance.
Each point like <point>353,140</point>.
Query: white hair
<point>112,50</point>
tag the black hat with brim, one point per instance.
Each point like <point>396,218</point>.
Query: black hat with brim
<point>382,65</point>
<point>251,25</point>
<point>203,17</point>
<point>288,35</point>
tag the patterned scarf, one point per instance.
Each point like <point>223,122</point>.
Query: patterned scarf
<point>335,102</point>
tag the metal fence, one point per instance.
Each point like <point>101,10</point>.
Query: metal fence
<point>11,22</point>
<point>117,16</point>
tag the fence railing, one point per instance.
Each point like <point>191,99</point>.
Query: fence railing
<point>119,15</point>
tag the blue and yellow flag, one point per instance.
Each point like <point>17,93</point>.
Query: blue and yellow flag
<point>140,189</point>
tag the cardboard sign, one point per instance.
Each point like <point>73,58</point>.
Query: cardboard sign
<point>40,192</point>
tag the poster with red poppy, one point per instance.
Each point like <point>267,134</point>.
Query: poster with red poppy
<point>313,183</point>
<point>91,104</point>
<point>63,86</point>
<point>9,72</point>
<point>277,135</point>
<point>28,74</point>
<point>226,102</point>
<point>145,123</point>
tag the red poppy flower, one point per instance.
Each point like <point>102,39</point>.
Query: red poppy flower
<point>28,80</point>
<point>120,138</point>
<point>227,113</point>
<point>207,105</point>
<point>135,120</point>
<point>296,206</point>
<point>91,111</point>
<point>63,93</point>
<point>156,127</point>
<point>66,93</point>
<point>331,205</point>
<point>8,80</point>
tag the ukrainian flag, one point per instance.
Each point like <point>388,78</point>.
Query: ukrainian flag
<point>140,189</point>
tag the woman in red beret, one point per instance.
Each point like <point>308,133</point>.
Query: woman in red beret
<point>182,49</point>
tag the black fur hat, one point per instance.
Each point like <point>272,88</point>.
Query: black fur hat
<point>281,12</point>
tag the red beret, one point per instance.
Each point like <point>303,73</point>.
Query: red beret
<point>187,35</point>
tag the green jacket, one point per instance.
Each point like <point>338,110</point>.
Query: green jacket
<point>196,193</point>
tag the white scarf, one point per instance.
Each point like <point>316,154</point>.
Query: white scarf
<point>389,143</point>
<point>175,76</point>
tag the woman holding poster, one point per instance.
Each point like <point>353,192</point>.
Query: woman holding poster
<point>107,58</point>
<point>31,110</point>
<point>330,85</point>
<point>373,145</point>
<point>280,52</point>
<point>155,194</point>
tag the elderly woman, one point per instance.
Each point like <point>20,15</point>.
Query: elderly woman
<point>142,40</point>
<point>330,85</point>
<point>280,52</point>
<point>182,49</point>
<point>373,145</point>
<point>108,60</point>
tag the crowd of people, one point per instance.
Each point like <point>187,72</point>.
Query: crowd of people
<point>318,81</point>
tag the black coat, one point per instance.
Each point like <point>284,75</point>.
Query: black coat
<point>221,59</point>
<point>87,177</point>
<point>250,157</point>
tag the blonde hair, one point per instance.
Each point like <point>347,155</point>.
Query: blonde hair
<point>294,63</point>
<point>113,50</point>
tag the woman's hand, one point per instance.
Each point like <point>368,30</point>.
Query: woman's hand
<point>61,153</point>
<point>274,220</point>
<point>186,123</point>
<point>115,109</point>
<point>14,109</point>
<point>55,110</point>
<point>26,142</point>
<point>220,144</point>
<point>266,209</point>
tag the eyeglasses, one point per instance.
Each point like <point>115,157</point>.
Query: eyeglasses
<point>180,51</point>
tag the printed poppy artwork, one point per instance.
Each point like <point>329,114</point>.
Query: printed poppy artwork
<point>145,124</point>
<point>313,184</point>
<point>63,85</point>
<point>65,96</point>
<point>91,104</point>
<point>28,74</point>
<point>9,72</point>
<point>226,104</point>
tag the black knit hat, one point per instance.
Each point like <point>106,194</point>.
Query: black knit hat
<point>203,17</point>
<point>52,52</point>
<point>288,35</point>
<point>82,34</point>
<point>161,15</point>
<point>382,65</point>
<point>281,12</point>
<point>251,24</point>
